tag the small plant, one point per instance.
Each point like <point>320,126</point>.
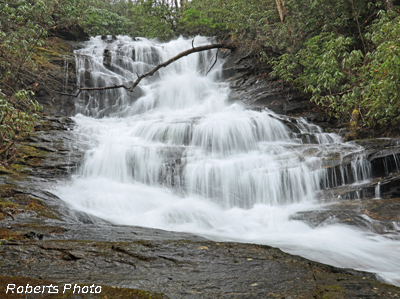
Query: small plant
<point>18,115</point>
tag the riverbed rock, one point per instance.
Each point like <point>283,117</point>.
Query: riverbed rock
<point>373,204</point>
<point>377,215</point>
<point>186,269</point>
<point>44,240</point>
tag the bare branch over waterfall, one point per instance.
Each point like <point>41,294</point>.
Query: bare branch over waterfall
<point>161,65</point>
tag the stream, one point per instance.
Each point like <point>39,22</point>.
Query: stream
<point>178,155</point>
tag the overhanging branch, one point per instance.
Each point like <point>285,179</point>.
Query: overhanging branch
<point>164,64</point>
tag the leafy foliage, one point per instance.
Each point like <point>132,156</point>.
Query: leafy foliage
<point>22,30</point>
<point>68,12</point>
<point>208,17</point>
<point>239,18</point>
<point>154,19</point>
<point>344,54</point>
<point>381,88</point>
<point>18,115</point>
<point>327,69</point>
<point>354,72</point>
<point>24,27</point>
<point>100,21</point>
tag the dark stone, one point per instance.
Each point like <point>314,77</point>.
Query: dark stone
<point>33,235</point>
<point>384,154</point>
<point>376,215</point>
<point>181,268</point>
<point>257,89</point>
<point>108,37</point>
<point>58,85</point>
<point>107,58</point>
<point>71,33</point>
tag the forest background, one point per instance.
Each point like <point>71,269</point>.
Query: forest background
<point>343,55</point>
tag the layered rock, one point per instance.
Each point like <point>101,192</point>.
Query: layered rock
<point>43,240</point>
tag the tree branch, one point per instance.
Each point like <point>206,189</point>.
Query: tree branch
<point>164,64</point>
<point>215,61</point>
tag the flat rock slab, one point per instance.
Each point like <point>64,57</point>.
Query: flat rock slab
<point>186,269</point>
<point>43,242</point>
<point>377,215</point>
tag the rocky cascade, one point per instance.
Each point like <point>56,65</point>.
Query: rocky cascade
<point>185,153</point>
<point>202,151</point>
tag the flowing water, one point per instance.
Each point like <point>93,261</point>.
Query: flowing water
<point>177,155</point>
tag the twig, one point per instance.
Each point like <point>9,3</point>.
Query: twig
<point>151,73</point>
<point>215,61</point>
<point>358,25</point>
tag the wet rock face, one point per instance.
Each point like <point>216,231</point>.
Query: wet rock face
<point>377,215</point>
<point>257,89</point>
<point>373,204</point>
<point>71,33</point>
<point>384,154</point>
<point>57,81</point>
<point>52,151</point>
<point>58,90</point>
<point>252,85</point>
<point>43,239</point>
<point>186,268</point>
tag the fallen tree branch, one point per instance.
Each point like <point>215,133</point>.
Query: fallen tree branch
<point>99,88</point>
<point>215,61</point>
<point>164,64</point>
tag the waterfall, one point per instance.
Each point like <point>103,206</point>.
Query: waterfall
<point>177,155</point>
<point>378,190</point>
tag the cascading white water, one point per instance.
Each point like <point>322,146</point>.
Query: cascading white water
<point>181,157</point>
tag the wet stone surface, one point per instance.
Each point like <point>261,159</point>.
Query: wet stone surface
<point>377,215</point>
<point>258,90</point>
<point>186,268</point>
<point>43,241</point>
<point>373,204</point>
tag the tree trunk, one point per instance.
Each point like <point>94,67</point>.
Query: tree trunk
<point>389,5</point>
<point>183,3</point>
<point>281,9</point>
